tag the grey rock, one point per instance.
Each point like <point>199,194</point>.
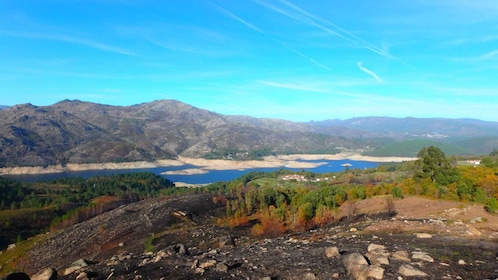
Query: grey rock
<point>409,271</point>
<point>80,263</point>
<point>221,267</point>
<point>377,259</point>
<point>309,276</point>
<point>226,241</point>
<point>356,266</point>
<point>422,256</point>
<point>332,252</point>
<point>376,247</point>
<point>208,264</point>
<point>423,235</point>
<point>376,272</point>
<point>401,255</point>
<point>45,274</point>
<point>182,249</point>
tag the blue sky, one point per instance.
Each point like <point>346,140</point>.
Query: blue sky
<point>296,60</point>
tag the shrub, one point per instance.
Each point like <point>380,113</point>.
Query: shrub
<point>397,192</point>
<point>492,205</point>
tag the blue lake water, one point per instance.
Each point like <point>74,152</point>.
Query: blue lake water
<point>210,177</point>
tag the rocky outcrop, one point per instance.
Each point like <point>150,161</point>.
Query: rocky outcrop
<point>304,257</point>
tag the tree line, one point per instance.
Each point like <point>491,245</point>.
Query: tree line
<point>78,190</point>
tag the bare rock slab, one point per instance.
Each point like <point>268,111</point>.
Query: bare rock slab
<point>410,271</point>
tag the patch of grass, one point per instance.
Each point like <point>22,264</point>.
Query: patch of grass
<point>149,244</point>
<point>11,260</point>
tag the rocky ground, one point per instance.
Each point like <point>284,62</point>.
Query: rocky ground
<point>436,240</point>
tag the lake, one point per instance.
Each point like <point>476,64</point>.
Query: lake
<point>210,177</point>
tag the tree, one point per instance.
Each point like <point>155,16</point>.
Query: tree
<point>494,153</point>
<point>432,163</point>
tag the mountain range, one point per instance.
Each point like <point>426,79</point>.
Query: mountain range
<point>73,131</point>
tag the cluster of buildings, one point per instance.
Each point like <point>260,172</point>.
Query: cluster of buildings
<point>301,178</point>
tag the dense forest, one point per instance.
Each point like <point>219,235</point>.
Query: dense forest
<point>270,203</point>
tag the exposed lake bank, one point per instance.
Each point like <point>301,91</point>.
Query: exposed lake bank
<point>288,161</point>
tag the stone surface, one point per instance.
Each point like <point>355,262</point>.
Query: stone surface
<point>332,252</point>
<point>410,271</point>
<point>423,235</point>
<point>356,266</point>
<point>422,256</point>
<point>45,274</point>
<point>401,255</point>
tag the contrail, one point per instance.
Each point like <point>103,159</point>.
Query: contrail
<point>306,17</point>
<point>246,23</point>
<point>304,56</point>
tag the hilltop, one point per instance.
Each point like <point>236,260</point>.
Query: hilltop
<point>76,132</point>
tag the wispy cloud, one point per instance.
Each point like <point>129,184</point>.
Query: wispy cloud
<point>188,48</point>
<point>252,26</point>
<point>239,19</point>
<point>70,39</point>
<point>304,56</point>
<point>370,72</point>
<point>301,15</point>
<point>295,87</point>
<point>488,55</point>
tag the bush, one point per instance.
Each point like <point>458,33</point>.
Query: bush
<point>397,192</point>
<point>492,205</point>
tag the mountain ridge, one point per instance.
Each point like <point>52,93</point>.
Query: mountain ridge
<point>73,131</point>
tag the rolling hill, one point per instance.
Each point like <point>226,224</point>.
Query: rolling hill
<point>85,132</point>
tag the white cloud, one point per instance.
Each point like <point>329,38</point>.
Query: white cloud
<point>370,72</point>
<point>295,87</point>
<point>70,39</point>
<point>244,22</point>
<point>488,55</point>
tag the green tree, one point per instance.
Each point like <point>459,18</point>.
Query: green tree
<point>494,153</point>
<point>488,162</point>
<point>432,163</point>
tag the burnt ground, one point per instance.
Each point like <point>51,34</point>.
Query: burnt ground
<point>460,241</point>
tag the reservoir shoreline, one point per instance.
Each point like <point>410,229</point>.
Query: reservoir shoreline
<point>204,165</point>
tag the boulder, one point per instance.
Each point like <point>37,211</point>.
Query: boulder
<point>409,271</point>
<point>356,266</point>
<point>182,249</point>
<point>422,256</point>
<point>309,276</point>
<point>45,274</point>
<point>332,252</point>
<point>221,267</point>
<point>376,247</point>
<point>226,241</point>
<point>377,259</point>
<point>376,272</point>
<point>208,264</point>
<point>401,255</point>
<point>423,235</point>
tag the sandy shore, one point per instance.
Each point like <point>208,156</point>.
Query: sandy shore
<point>204,165</point>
